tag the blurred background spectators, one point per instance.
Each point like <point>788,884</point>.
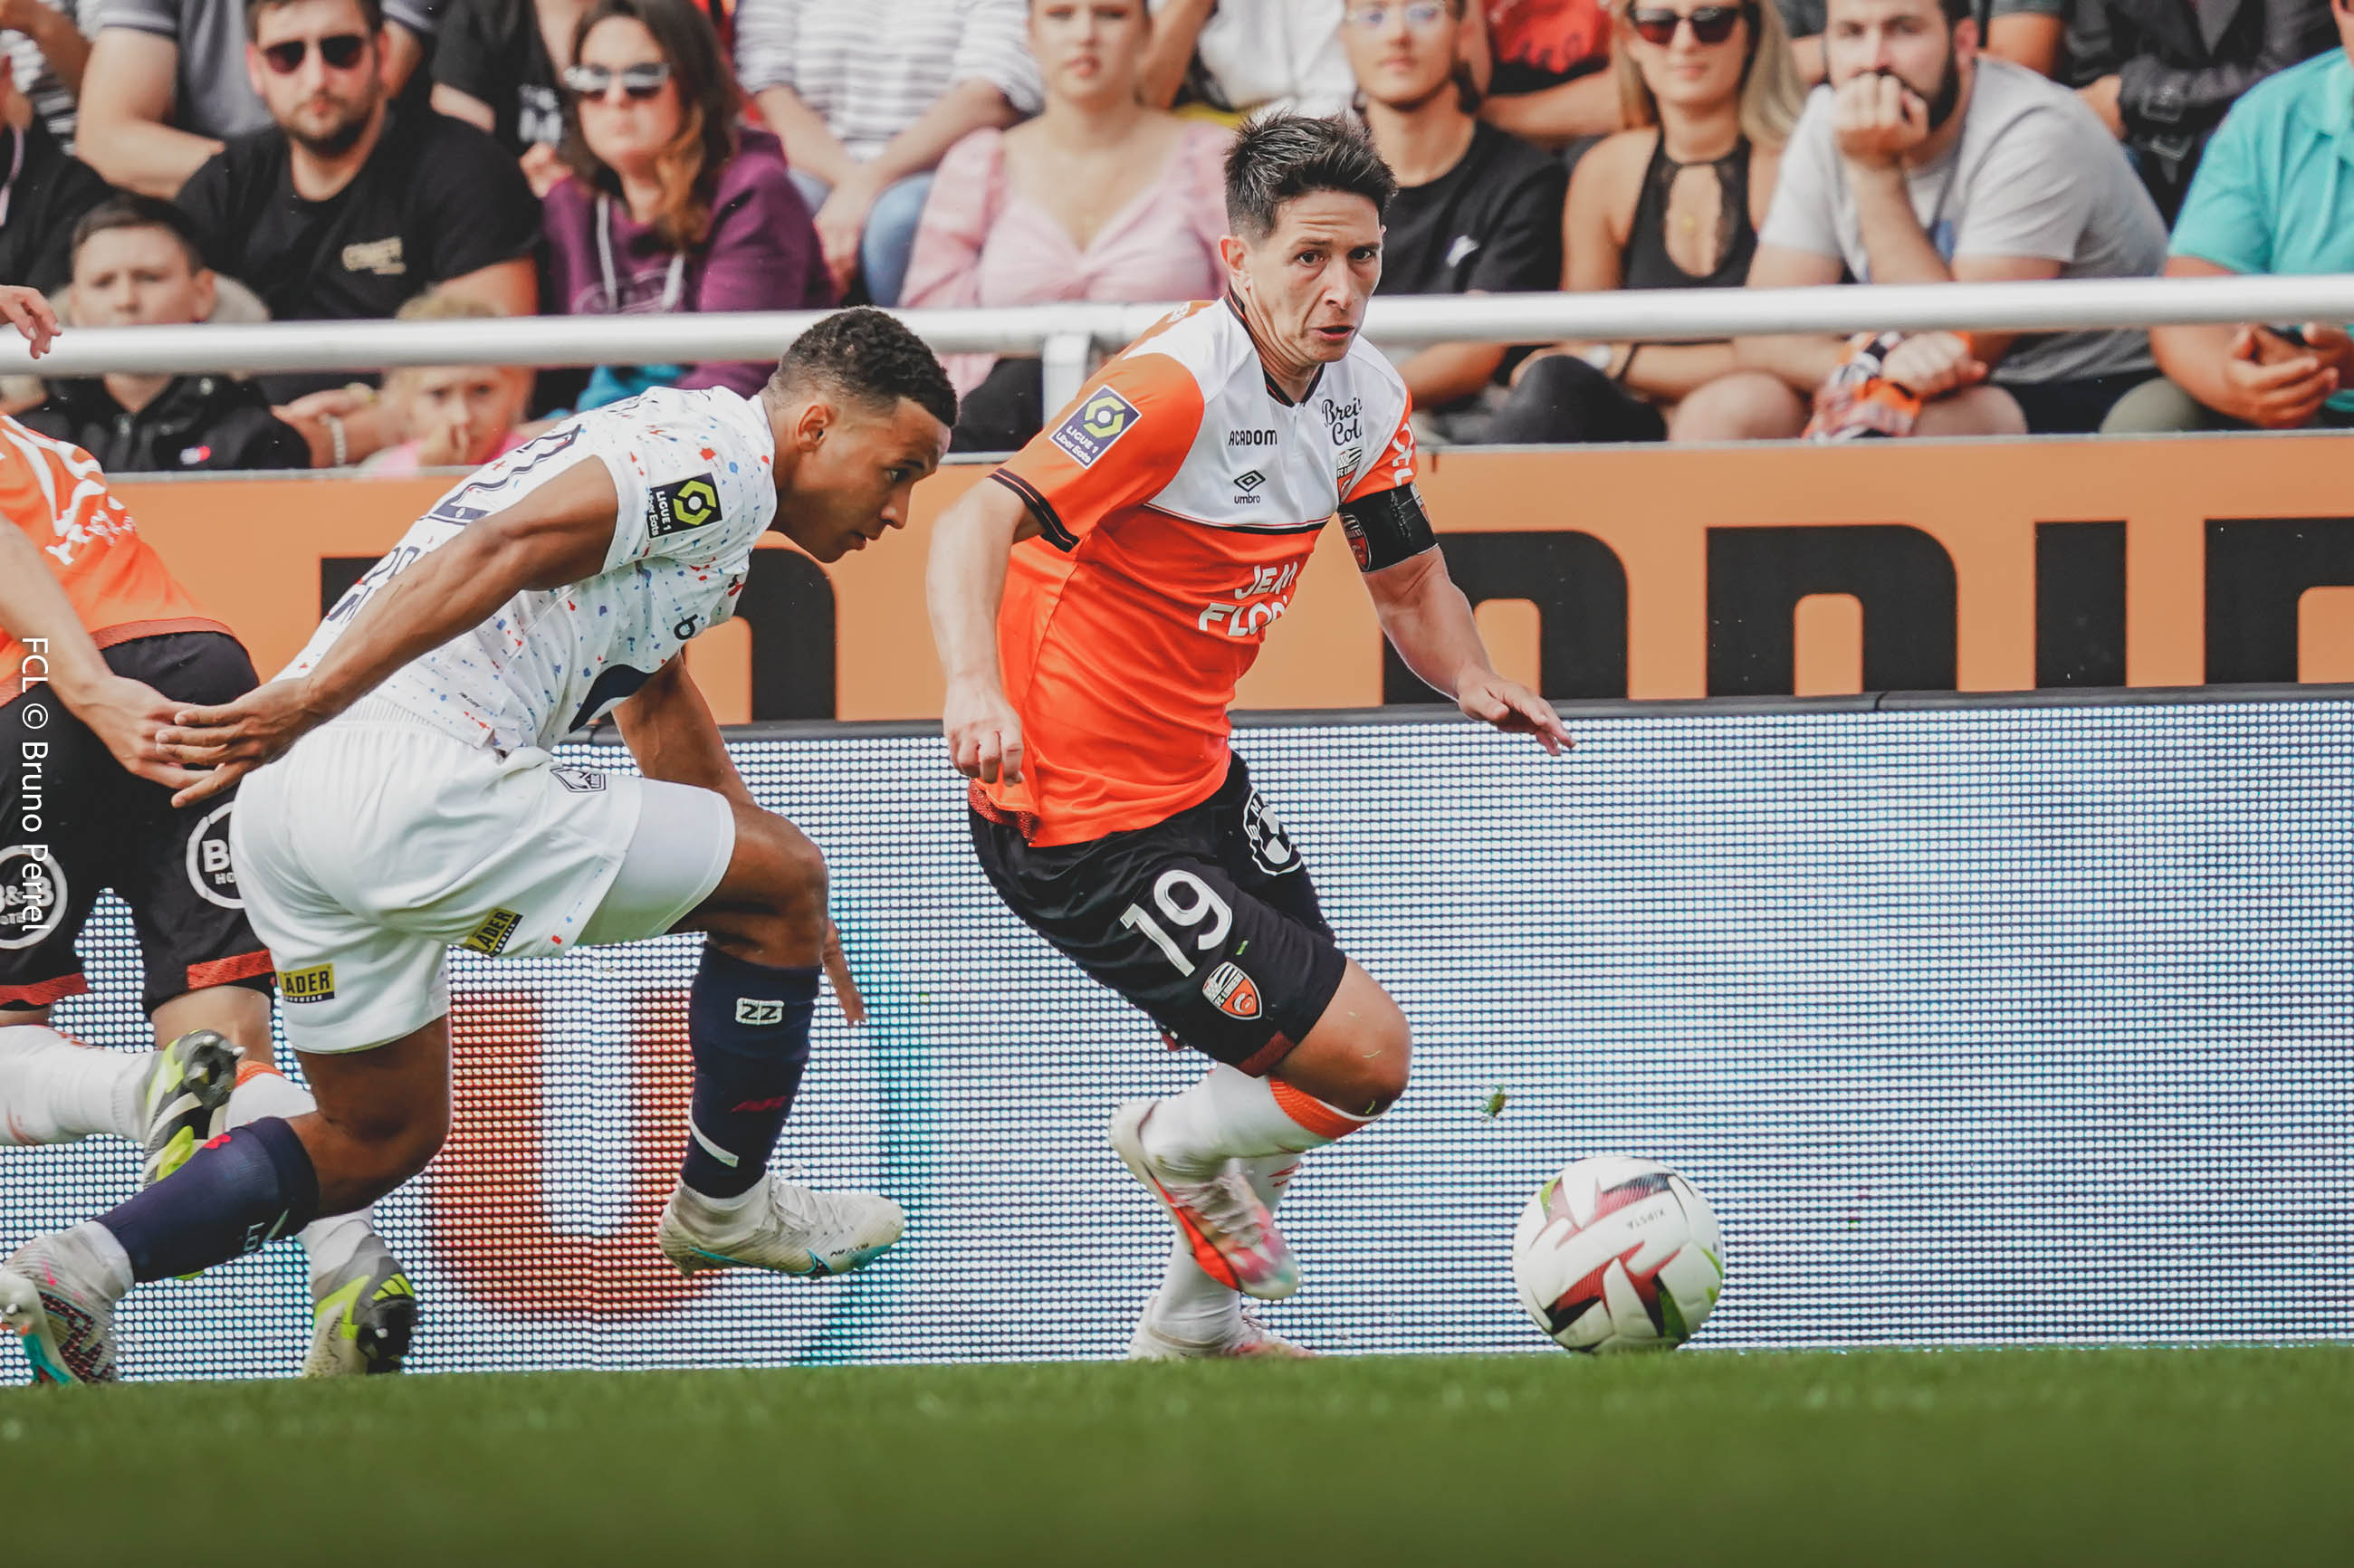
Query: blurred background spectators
<point>1712,91</point>
<point>669,205</point>
<point>451,415</point>
<point>867,111</point>
<point>1099,197</point>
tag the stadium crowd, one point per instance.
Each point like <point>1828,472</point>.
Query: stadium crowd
<point>186,160</point>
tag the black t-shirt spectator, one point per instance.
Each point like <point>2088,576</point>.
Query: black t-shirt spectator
<point>493,52</point>
<point>435,200</point>
<point>1490,224</point>
<point>46,194</point>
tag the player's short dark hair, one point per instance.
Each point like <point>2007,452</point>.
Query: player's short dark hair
<point>371,11</point>
<point>872,356</point>
<point>1279,157</point>
<point>129,210</point>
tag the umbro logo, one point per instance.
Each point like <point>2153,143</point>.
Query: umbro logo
<point>1247,484</point>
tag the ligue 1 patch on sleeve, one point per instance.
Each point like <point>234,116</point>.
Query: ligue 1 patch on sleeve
<point>679,507</point>
<point>315,983</point>
<point>491,938</point>
<point>1096,425</point>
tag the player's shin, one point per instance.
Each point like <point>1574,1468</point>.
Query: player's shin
<point>748,1025</point>
<point>242,1190</point>
<point>264,1091</point>
<point>1230,1114</point>
<point>56,1090</point>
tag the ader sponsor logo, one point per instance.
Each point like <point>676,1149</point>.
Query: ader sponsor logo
<point>1094,427</point>
<point>491,938</point>
<point>688,503</point>
<point>1231,992</point>
<point>314,983</point>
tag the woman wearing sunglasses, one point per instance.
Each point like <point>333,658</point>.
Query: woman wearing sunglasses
<point>672,205</point>
<point>1674,203</point>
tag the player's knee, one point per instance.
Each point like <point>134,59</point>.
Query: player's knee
<point>790,922</point>
<point>1386,1049</point>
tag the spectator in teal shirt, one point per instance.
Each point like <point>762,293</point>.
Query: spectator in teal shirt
<point>2275,196</point>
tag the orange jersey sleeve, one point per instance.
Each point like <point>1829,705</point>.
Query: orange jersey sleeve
<point>1120,442</point>
<point>56,493</point>
<point>1394,468</point>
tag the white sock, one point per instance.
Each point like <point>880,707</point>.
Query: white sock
<point>1230,1114</point>
<point>56,1090</point>
<point>1193,1306</point>
<point>102,1254</point>
<point>263,1092</point>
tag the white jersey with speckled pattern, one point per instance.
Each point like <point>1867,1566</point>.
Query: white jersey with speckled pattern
<point>696,475</point>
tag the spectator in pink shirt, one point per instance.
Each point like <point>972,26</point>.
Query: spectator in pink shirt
<point>672,205</point>
<point>1098,199</point>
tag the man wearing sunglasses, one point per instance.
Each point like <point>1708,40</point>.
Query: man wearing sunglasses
<point>1922,163</point>
<point>347,207</point>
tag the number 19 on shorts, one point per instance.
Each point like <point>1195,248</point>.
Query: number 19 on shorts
<point>1187,902</point>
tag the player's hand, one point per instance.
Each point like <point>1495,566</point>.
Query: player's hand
<point>845,984</point>
<point>985,733</point>
<point>1932,364</point>
<point>2272,384</point>
<point>235,738</point>
<point>1513,708</point>
<point>125,715</point>
<point>30,315</point>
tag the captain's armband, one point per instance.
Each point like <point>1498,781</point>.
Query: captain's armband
<point>1386,527</point>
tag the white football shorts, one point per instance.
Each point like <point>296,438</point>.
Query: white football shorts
<point>379,842</point>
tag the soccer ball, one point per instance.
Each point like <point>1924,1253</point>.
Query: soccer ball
<point>1618,1255</point>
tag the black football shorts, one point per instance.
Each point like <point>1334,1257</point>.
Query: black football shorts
<point>73,822</point>
<point>1207,921</point>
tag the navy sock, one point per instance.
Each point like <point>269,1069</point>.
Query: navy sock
<point>748,1024</point>
<point>246,1187</point>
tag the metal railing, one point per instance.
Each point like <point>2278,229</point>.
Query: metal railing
<point>1068,337</point>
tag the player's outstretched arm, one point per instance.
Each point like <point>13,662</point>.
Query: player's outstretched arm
<point>557,535</point>
<point>668,727</point>
<point>124,713</point>
<point>1429,621</point>
<point>30,315</point>
<point>964,584</point>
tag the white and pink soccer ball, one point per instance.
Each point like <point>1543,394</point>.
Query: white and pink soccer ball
<point>1616,1254</point>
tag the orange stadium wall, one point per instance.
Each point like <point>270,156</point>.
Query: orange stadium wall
<point>1644,572</point>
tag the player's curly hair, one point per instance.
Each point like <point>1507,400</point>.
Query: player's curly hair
<point>870,355</point>
<point>1279,157</point>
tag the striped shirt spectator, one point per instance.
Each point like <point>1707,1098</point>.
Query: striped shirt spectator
<point>868,112</point>
<point>46,50</point>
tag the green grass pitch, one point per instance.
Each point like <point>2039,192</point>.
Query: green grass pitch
<point>2218,1457</point>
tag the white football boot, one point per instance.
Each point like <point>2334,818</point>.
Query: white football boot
<point>797,1230</point>
<point>1244,1340</point>
<point>1230,1229</point>
<point>365,1315</point>
<point>55,1298</point>
<point>184,1101</point>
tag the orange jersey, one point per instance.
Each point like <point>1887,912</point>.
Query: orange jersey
<point>1179,498</point>
<point>56,493</point>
